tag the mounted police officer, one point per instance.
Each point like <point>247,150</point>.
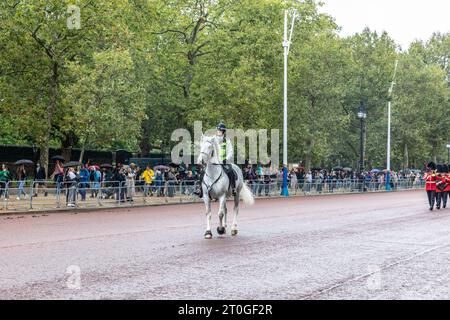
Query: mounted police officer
<point>225,157</point>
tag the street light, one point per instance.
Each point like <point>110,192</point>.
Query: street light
<point>362,118</point>
<point>448,148</point>
<point>286,45</point>
<point>162,148</point>
<point>388,153</point>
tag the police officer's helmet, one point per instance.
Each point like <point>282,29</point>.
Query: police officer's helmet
<point>222,127</point>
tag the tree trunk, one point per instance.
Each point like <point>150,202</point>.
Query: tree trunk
<point>67,144</point>
<point>434,154</point>
<point>66,152</point>
<point>308,158</point>
<point>405,157</point>
<point>309,141</point>
<point>43,157</point>
<point>144,143</point>
<point>51,108</point>
<point>82,153</point>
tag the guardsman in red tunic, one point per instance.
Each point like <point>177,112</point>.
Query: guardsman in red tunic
<point>447,183</point>
<point>440,186</point>
<point>430,184</point>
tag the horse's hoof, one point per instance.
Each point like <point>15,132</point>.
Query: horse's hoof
<point>221,230</point>
<point>208,235</point>
<point>234,232</point>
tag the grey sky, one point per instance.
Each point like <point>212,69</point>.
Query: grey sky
<point>404,20</point>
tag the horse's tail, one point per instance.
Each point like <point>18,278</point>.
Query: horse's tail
<point>247,195</point>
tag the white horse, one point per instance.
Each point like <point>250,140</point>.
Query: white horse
<point>216,186</point>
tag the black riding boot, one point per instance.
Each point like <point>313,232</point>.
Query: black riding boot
<point>232,178</point>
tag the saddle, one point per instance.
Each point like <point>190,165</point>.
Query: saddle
<point>232,176</point>
<point>229,170</point>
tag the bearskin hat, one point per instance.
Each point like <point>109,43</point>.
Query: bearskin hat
<point>431,165</point>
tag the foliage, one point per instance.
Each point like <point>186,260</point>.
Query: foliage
<point>138,69</point>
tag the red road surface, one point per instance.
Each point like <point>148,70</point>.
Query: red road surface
<point>371,246</point>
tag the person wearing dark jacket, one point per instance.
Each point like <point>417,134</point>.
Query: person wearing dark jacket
<point>171,181</point>
<point>189,182</point>
<point>118,183</point>
<point>39,180</point>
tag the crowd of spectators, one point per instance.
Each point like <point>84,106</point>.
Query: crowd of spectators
<point>122,182</point>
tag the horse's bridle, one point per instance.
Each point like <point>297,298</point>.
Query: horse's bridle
<point>221,172</point>
<point>210,142</point>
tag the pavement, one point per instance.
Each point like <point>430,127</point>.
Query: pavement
<point>52,203</point>
<point>357,246</point>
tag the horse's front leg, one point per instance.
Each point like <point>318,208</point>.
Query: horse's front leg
<point>208,233</point>
<point>222,215</point>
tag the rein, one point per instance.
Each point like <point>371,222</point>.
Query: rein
<point>213,164</point>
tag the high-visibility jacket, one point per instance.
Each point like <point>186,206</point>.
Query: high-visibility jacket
<point>225,152</point>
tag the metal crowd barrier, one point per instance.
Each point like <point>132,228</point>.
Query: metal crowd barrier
<point>43,195</point>
<point>326,186</point>
<point>28,195</point>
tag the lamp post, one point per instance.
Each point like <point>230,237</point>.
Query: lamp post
<point>362,118</point>
<point>162,152</point>
<point>286,45</point>
<point>448,149</point>
<point>388,153</point>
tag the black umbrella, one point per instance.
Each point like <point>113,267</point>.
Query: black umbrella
<point>71,164</point>
<point>20,162</point>
<point>58,158</point>
<point>161,167</point>
<point>338,168</point>
<point>174,165</point>
<point>106,165</point>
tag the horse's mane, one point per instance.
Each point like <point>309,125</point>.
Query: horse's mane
<point>210,139</point>
<point>213,141</point>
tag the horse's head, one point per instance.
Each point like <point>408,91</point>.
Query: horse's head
<point>206,150</point>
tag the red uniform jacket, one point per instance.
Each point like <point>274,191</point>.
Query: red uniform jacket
<point>447,181</point>
<point>430,180</point>
<point>440,180</point>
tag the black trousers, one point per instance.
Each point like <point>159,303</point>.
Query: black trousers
<point>441,198</point>
<point>431,197</point>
